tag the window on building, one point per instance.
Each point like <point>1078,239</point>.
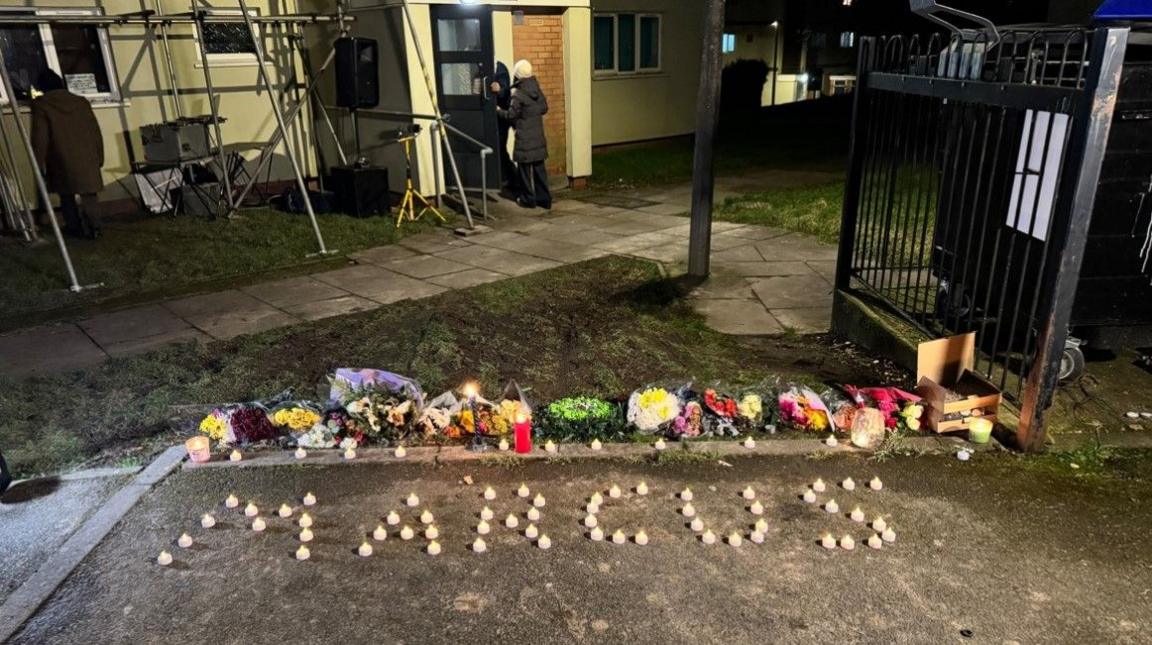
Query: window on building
<point>80,54</point>
<point>847,39</point>
<point>229,43</point>
<point>728,43</point>
<point>626,43</point>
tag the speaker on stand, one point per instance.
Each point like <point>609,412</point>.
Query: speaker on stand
<point>357,78</point>
<point>360,189</point>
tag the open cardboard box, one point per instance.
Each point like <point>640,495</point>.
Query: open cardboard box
<point>944,366</point>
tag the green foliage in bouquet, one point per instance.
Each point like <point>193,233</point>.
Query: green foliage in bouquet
<point>580,419</point>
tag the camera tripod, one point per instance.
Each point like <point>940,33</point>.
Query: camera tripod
<point>407,208</point>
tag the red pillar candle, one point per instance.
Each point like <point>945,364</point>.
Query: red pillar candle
<point>523,430</point>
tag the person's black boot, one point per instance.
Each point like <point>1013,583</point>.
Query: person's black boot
<point>5,476</point>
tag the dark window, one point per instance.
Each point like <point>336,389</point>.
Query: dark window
<point>228,38</point>
<point>604,31</point>
<point>81,59</point>
<point>626,24</point>
<point>650,42</point>
<point>24,55</point>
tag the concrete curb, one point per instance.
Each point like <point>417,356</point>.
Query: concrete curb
<point>28,598</point>
<point>432,454</point>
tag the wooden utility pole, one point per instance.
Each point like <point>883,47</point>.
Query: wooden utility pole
<point>707,109</point>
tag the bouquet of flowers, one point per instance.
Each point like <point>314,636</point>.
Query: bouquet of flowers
<point>295,416</point>
<point>378,404</point>
<point>239,424</point>
<point>580,419</point>
<point>804,409</point>
<point>689,423</point>
<point>653,408</point>
<point>495,418</point>
<point>892,402</point>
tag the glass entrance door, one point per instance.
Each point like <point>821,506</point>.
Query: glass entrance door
<point>463,54</point>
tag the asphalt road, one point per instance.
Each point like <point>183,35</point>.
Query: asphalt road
<point>1010,554</point>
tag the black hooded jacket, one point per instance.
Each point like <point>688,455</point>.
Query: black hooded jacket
<point>526,113</point>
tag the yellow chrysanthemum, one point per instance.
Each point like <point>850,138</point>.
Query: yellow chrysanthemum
<point>214,427</point>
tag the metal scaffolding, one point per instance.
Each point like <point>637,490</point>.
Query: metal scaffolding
<point>154,20</point>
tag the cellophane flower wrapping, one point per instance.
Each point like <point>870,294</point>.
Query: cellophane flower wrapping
<point>379,405</point>
<point>805,410</point>
<point>652,409</point>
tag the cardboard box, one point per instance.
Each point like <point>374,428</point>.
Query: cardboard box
<point>945,366</point>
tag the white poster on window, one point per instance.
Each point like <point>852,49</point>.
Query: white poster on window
<point>81,83</point>
<point>1033,193</point>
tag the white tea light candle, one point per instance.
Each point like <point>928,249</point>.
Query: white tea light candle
<point>761,525</point>
<point>544,542</point>
<point>365,549</point>
<point>689,510</point>
<point>235,456</point>
<point>879,524</point>
<point>309,499</point>
<point>393,518</point>
<point>511,521</point>
<point>303,553</point>
<point>641,538</point>
<point>431,532</point>
<point>486,513</point>
<point>756,508</point>
<point>734,539</point>
<point>539,501</point>
<point>708,538</point>
<point>407,533</point>
<point>400,452</point>
<point>479,545</point>
<point>618,537</point>
<point>749,443</point>
<point>828,542</point>
<point>596,534</point>
<point>285,511</point>
<point>305,521</point>
<point>433,548</point>
<point>809,497</point>
<point>301,453</point>
<point>876,484</point>
<point>696,524</point>
<point>642,488</point>
<point>847,543</point>
<point>857,515</point>
<point>503,447</point>
<point>614,492</point>
<point>164,559</point>
<point>533,514</point>
<point>531,532</point>
<point>489,493</point>
<point>483,528</point>
<point>184,541</point>
<point>875,541</point>
<point>748,493</point>
<point>259,525</point>
<point>590,521</point>
<point>251,510</point>
<point>659,444</point>
<point>426,517</point>
<point>413,500</point>
<point>306,535</point>
<point>523,491</point>
<point>596,445</point>
<point>686,494</point>
<point>207,521</point>
<point>380,534</point>
<point>231,501</point>
<point>848,484</point>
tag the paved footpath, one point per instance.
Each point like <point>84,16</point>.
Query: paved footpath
<point>765,281</point>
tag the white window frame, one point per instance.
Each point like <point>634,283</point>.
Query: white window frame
<point>114,94</point>
<point>638,71</point>
<point>725,39</point>
<point>228,60</point>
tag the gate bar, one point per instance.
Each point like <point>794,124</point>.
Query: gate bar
<point>1099,101</point>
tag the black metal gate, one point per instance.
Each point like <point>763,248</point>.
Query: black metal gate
<point>974,165</point>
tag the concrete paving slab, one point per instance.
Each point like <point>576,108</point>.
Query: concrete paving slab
<point>826,269</point>
<point>434,242</point>
<point>664,209</point>
<point>508,240</point>
<point>746,253</point>
<point>626,228</point>
<point>466,279</point>
<point>737,317</point>
<point>765,269</point>
<point>293,291</point>
<point>384,254</point>
<point>38,515</point>
<point>131,324</point>
<point>229,314</point>
<point>805,320</point>
<point>559,232</point>
<point>379,284</point>
<point>581,220</point>
<point>793,247</point>
<point>500,260</point>
<point>669,254</point>
<point>338,306</point>
<point>48,348</point>
<point>787,292</point>
<point>149,343</point>
<point>759,233</point>
<point>582,238</point>
<point>425,266</point>
<point>726,285</point>
<point>724,241</point>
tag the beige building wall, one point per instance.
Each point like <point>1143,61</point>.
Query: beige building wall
<point>145,87</point>
<point>650,105</point>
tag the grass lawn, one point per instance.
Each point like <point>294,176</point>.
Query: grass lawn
<point>814,210</point>
<point>812,135</point>
<point>163,256</point>
<point>601,328</point>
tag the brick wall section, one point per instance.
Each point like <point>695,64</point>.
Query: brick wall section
<point>539,40</point>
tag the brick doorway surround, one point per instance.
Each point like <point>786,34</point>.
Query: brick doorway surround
<point>537,36</point>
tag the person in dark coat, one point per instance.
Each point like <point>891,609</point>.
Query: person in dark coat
<point>526,112</point>
<point>502,91</point>
<point>70,152</point>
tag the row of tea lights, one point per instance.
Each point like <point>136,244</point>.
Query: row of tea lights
<point>884,533</point>
<point>596,533</point>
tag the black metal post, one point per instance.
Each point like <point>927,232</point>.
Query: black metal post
<point>856,153</point>
<point>707,113</point>
<point>1068,241</point>
<point>775,58</point>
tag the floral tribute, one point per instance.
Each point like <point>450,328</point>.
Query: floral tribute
<point>368,406</point>
<point>580,419</point>
<point>650,409</point>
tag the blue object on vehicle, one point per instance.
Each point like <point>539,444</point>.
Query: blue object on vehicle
<point>1124,10</point>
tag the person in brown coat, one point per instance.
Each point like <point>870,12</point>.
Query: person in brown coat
<point>70,152</point>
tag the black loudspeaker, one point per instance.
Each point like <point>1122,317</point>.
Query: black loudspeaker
<point>357,76</point>
<point>361,192</point>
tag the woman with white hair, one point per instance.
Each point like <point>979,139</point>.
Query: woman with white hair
<point>526,113</point>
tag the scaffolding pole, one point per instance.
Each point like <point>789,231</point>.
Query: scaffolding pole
<point>41,186</point>
<point>225,180</point>
<point>436,111</point>
<point>266,153</point>
<point>29,224</point>
<point>173,84</point>
<point>263,73</point>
